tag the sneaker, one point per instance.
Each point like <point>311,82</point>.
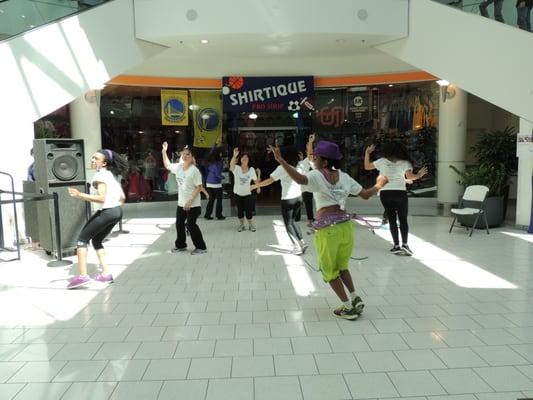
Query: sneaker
<point>407,250</point>
<point>77,281</point>
<point>310,223</point>
<point>304,247</point>
<point>396,249</point>
<point>358,304</point>
<point>252,228</point>
<point>343,312</point>
<point>198,251</point>
<point>178,250</point>
<point>241,228</point>
<point>384,221</point>
<point>221,218</point>
<point>297,250</point>
<point>104,278</point>
<point>206,217</point>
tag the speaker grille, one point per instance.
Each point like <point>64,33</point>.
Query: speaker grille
<point>65,167</point>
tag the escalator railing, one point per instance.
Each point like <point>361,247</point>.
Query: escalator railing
<point>18,16</point>
<point>509,12</point>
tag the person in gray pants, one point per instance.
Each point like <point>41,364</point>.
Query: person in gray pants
<point>498,4</point>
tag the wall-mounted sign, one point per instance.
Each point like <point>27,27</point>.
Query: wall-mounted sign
<point>246,94</point>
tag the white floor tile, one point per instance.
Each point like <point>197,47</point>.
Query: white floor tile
<point>217,367</point>
<point>8,391</point>
<point>504,379</point>
<point>78,371</point>
<point>419,359</point>
<point>243,367</point>
<point>457,381</point>
<point>281,388</point>
<point>378,361</point>
<point>337,363</point>
<point>499,355</point>
<point>370,386</point>
<point>272,346</point>
<point>385,341</point>
<point>163,370</point>
<point>460,358</point>
<point>295,365</point>
<point>124,370</point>
<point>416,383</point>
<point>116,351</point>
<point>42,391</point>
<point>310,345</point>
<point>136,390</point>
<point>236,347</point>
<point>188,390</point>
<point>324,387</point>
<point>235,389</point>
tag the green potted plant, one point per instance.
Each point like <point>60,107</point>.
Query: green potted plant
<point>496,155</point>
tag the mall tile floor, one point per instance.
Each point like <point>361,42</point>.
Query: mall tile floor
<point>249,321</point>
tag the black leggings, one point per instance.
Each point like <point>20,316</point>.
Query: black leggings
<point>244,206</point>
<point>99,226</point>
<point>188,217</point>
<point>395,203</point>
<point>308,202</point>
<point>290,209</point>
<point>214,194</point>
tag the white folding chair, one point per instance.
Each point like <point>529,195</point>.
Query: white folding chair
<point>477,194</point>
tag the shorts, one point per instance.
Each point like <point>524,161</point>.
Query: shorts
<point>334,248</point>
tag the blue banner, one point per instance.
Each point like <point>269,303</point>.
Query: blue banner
<point>263,94</point>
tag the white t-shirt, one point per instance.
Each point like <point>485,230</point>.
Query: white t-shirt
<point>242,183</point>
<point>304,166</point>
<point>113,189</point>
<point>289,188</point>
<point>394,171</point>
<point>326,194</point>
<point>187,181</point>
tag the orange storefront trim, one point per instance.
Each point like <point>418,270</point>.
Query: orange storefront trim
<point>214,83</point>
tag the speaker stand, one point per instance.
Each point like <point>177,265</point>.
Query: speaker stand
<point>59,263</point>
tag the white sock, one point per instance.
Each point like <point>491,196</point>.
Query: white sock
<point>353,295</point>
<point>347,304</point>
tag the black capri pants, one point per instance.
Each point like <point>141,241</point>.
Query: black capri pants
<point>99,226</point>
<point>290,210</point>
<point>395,203</point>
<point>244,206</point>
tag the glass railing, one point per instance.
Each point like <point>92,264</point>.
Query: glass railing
<point>512,13</point>
<point>17,16</point>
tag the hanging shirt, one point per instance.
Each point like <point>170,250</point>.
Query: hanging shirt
<point>187,181</point>
<point>243,180</point>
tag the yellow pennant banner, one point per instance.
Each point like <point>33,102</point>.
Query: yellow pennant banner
<point>207,115</point>
<point>174,107</point>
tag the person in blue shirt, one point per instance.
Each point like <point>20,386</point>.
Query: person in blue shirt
<point>214,183</point>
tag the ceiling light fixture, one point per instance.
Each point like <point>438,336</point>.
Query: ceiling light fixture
<point>204,41</point>
<point>252,115</point>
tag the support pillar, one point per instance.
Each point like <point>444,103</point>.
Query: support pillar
<point>451,146</point>
<point>524,153</point>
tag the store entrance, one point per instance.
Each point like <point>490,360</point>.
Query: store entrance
<point>255,141</point>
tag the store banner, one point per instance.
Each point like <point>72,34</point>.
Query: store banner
<point>207,116</point>
<point>174,107</point>
<point>331,111</point>
<point>263,94</point>
<point>360,106</point>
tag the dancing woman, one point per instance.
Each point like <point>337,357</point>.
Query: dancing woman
<point>189,208</point>
<point>244,176</point>
<point>291,204</point>
<point>108,193</point>
<point>395,165</point>
<point>334,237</point>
<point>214,183</point>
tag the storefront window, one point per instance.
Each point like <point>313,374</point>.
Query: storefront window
<point>352,117</point>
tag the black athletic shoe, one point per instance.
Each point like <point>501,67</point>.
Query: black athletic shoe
<point>407,250</point>
<point>396,250</point>
<point>343,312</point>
<point>358,305</point>
<point>206,217</point>
<point>177,250</point>
<point>221,218</point>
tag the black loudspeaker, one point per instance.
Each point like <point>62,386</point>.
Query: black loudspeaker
<point>59,164</point>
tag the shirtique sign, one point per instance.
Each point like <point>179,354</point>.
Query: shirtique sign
<point>246,94</point>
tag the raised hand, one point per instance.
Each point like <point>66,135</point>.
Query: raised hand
<point>370,149</point>
<point>165,146</point>
<point>276,152</point>
<point>236,152</point>
<point>421,172</point>
<point>312,138</point>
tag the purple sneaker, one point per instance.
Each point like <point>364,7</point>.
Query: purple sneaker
<point>104,278</point>
<point>78,281</point>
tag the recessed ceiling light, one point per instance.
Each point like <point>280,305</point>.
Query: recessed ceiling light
<point>204,41</point>
<point>111,112</point>
<point>141,131</point>
<point>391,85</point>
<point>252,116</point>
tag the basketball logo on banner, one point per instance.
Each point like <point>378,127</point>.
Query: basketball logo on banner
<point>174,107</point>
<point>207,119</point>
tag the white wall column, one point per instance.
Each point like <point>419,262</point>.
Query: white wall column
<point>85,124</point>
<point>451,146</point>
<point>524,152</point>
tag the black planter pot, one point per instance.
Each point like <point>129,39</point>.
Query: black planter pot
<point>494,208</point>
